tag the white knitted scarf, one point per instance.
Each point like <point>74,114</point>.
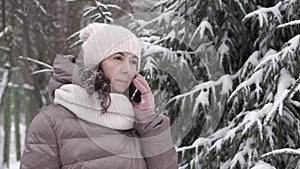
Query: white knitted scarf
<point>119,115</point>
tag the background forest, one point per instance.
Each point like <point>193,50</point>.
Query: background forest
<point>227,73</point>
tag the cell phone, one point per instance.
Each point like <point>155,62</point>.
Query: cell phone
<point>134,93</point>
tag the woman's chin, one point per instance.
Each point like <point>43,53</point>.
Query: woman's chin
<point>119,90</point>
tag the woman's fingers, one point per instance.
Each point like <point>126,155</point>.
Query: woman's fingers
<point>139,85</point>
<point>147,97</point>
<point>143,83</point>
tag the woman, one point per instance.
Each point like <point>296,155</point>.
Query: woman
<point>92,123</point>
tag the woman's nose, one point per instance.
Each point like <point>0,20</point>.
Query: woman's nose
<point>125,66</point>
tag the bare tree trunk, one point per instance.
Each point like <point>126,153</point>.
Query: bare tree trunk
<point>3,14</point>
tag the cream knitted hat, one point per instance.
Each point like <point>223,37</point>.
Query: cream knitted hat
<point>103,40</point>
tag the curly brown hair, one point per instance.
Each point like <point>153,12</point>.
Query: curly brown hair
<point>95,81</point>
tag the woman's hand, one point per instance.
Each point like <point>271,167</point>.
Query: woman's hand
<point>147,97</point>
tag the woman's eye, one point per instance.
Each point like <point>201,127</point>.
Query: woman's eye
<point>134,62</point>
<point>118,57</point>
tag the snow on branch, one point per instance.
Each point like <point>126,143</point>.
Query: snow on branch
<point>245,150</point>
<point>25,86</point>
<point>89,10</point>
<point>154,49</point>
<point>201,141</point>
<point>262,14</point>
<point>3,48</point>
<point>37,3</point>
<point>42,71</point>
<point>269,135</point>
<point>73,36</point>
<point>225,81</point>
<point>293,89</point>
<point>150,65</point>
<point>250,64</point>
<point>113,6</point>
<point>224,47</point>
<point>101,5</point>
<point>285,81</point>
<point>288,51</point>
<point>291,23</point>
<point>159,4</point>
<point>240,6</point>
<point>256,79</point>
<point>264,69</point>
<point>163,19</point>
<point>36,61</point>
<point>282,151</point>
<point>173,5</point>
<point>204,25</point>
<point>101,11</point>
<point>98,16</point>
<point>250,120</point>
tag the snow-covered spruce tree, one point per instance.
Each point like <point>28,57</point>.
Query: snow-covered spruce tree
<point>257,42</point>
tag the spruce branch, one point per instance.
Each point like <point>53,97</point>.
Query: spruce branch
<point>282,151</point>
<point>292,91</point>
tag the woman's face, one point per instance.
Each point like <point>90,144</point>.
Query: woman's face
<point>120,68</point>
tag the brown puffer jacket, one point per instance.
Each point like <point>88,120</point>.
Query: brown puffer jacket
<point>57,139</point>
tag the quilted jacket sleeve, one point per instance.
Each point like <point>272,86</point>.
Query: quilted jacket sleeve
<point>40,145</point>
<point>157,144</point>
